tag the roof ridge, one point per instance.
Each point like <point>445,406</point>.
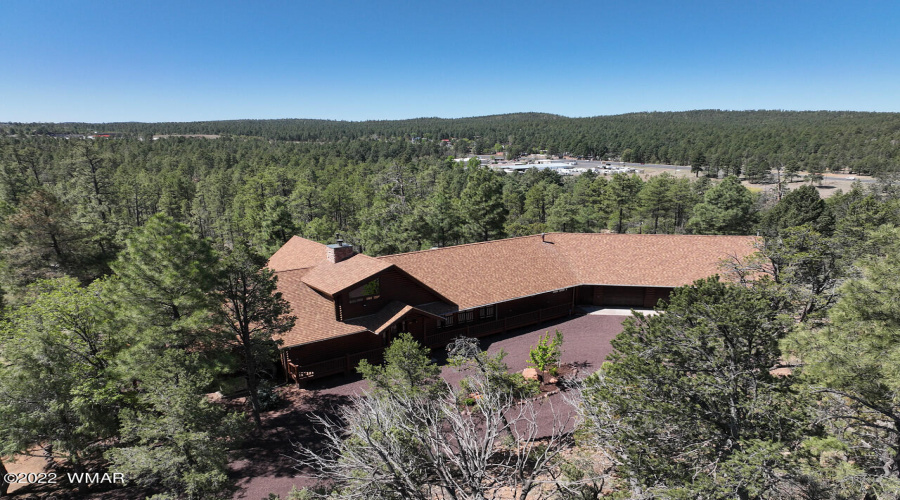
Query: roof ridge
<point>294,269</point>
<point>470,244</point>
<point>558,233</point>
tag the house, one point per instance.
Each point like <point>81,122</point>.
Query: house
<point>350,306</point>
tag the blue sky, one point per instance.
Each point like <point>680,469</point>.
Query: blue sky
<point>382,59</point>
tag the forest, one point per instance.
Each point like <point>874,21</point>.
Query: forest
<point>133,278</point>
<point>815,141</point>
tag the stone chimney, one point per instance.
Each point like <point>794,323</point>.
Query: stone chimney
<point>338,251</point>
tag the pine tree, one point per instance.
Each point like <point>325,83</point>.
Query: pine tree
<point>727,208</point>
<point>252,313</point>
<point>854,359</point>
<point>656,198</point>
<point>798,207</point>
<point>173,438</point>
<point>58,387</point>
<point>165,276</point>
<point>481,203</point>
<point>687,403</point>
<point>620,198</point>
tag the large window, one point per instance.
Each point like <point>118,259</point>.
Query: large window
<point>368,291</point>
<point>487,312</point>
<point>465,316</point>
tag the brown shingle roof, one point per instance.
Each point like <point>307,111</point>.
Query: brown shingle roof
<point>315,313</point>
<point>437,308</point>
<point>297,253</point>
<point>485,273</point>
<point>392,312</point>
<point>489,272</point>
<point>496,271</point>
<point>331,278</point>
<point>382,319</point>
<point>665,260</point>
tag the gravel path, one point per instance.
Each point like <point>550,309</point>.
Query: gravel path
<point>266,465</point>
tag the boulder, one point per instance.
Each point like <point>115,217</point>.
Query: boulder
<point>530,374</point>
<point>552,380</point>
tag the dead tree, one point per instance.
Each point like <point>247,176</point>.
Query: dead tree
<point>411,446</point>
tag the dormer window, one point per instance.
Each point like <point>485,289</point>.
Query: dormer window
<point>368,291</point>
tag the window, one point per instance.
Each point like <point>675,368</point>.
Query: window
<point>369,291</point>
<point>487,312</point>
<point>465,316</point>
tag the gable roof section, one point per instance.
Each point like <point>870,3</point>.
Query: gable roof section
<point>315,314</point>
<point>331,278</point>
<point>297,253</point>
<point>489,272</point>
<point>392,312</point>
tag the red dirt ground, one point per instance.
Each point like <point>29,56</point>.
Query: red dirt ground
<point>266,464</point>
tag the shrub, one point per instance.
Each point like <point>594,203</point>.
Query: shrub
<point>268,396</point>
<point>547,352</point>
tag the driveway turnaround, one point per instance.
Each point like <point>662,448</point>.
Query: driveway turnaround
<point>266,465</point>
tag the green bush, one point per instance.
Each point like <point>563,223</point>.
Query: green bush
<point>547,352</point>
<point>268,396</point>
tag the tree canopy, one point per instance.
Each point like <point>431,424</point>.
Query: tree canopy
<point>686,402</point>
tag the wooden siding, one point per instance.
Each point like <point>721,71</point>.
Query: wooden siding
<point>333,348</point>
<point>412,323</point>
<point>622,296</point>
<point>341,355</point>
<point>653,295</point>
<point>393,285</point>
<point>535,302</point>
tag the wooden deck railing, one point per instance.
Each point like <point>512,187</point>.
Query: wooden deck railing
<point>293,371</point>
<point>375,357</point>
<point>344,364</point>
<point>444,337</point>
<point>347,364</point>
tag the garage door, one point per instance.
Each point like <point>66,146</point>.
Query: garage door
<point>624,296</point>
